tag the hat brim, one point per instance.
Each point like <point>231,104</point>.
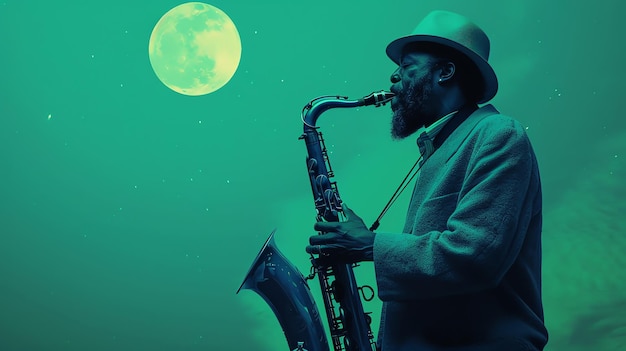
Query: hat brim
<point>394,51</point>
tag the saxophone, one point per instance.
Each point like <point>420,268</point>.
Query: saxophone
<point>281,284</point>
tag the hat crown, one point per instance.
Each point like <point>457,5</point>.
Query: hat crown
<point>458,33</point>
<point>456,28</point>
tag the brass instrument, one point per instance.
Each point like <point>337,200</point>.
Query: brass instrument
<point>280,283</point>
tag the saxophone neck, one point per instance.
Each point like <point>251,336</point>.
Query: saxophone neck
<point>317,106</point>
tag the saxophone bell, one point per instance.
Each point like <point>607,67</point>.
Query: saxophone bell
<point>284,288</point>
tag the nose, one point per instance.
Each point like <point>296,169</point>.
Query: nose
<point>395,78</point>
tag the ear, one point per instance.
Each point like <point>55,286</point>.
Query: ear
<point>446,71</point>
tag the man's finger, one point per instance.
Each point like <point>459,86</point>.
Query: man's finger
<point>321,250</point>
<point>326,226</point>
<point>322,239</point>
<point>348,212</point>
<point>324,261</point>
<point>313,249</point>
<point>344,206</point>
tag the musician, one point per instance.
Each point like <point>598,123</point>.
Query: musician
<point>465,274</point>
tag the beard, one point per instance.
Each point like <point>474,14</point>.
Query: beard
<point>412,109</point>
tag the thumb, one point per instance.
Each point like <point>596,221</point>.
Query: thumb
<point>348,212</point>
<point>350,215</point>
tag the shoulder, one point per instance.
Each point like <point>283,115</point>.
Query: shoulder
<point>499,128</point>
<point>494,119</point>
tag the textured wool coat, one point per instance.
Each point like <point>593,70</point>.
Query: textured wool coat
<point>466,273</point>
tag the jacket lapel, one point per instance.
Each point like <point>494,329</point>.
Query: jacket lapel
<point>457,130</point>
<point>447,143</point>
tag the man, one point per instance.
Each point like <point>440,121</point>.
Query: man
<point>466,273</point>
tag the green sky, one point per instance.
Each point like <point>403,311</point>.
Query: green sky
<point>129,214</point>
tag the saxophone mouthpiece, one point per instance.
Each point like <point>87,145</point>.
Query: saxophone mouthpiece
<point>378,98</point>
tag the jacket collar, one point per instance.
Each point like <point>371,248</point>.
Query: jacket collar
<point>459,128</point>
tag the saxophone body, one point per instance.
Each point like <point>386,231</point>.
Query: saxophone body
<point>285,289</point>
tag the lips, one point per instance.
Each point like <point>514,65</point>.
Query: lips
<point>394,103</point>
<point>395,92</point>
<point>395,99</point>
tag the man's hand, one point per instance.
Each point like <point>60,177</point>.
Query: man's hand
<point>344,242</point>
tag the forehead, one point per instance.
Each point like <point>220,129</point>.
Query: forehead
<point>411,55</point>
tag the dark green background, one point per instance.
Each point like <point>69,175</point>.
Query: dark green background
<point>130,217</point>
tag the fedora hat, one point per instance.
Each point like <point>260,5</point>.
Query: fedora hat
<point>459,33</point>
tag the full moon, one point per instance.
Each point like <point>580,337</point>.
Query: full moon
<point>194,49</point>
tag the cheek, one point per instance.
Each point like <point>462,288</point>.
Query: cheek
<point>410,79</point>
<point>407,84</point>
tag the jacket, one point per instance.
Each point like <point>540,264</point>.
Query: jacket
<point>466,273</point>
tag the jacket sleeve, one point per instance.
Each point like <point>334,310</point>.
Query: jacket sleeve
<point>484,234</point>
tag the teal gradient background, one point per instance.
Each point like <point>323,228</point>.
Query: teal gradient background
<point>129,218</point>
